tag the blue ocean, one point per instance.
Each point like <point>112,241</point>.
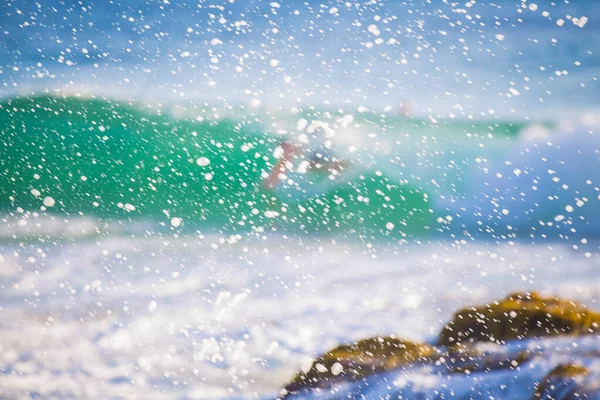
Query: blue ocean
<point>145,251</point>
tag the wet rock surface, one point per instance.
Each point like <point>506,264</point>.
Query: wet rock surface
<point>361,359</point>
<point>527,339</point>
<point>519,316</point>
<point>568,382</point>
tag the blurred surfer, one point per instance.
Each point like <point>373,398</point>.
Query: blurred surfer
<point>317,156</point>
<point>284,163</point>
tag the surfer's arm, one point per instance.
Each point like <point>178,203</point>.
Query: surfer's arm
<point>274,177</point>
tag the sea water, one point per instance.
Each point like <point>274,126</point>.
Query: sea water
<point>141,254</point>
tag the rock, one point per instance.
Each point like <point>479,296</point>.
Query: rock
<point>358,360</point>
<point>567,382</point>
<point>520,315</point>
<point>465,349</point>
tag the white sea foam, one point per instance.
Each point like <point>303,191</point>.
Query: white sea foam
<point>159,317</point>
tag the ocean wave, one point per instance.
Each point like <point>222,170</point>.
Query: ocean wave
<point>546,185</point>
<point>204,167</point>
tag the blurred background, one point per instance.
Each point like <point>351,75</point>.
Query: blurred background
<point>198,197</point>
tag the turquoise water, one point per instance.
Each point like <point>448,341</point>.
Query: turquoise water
<point>113,160</point>
<point>492,84</point>
<point>405,177</point>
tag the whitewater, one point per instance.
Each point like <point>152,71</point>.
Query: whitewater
<point>189,317</point>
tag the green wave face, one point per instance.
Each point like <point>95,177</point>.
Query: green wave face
<point>112,160</point>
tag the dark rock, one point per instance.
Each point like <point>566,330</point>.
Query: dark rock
<point>567,382</point>
<point>463,350</point>
<point>355,361</point>
<point>520,315</point>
